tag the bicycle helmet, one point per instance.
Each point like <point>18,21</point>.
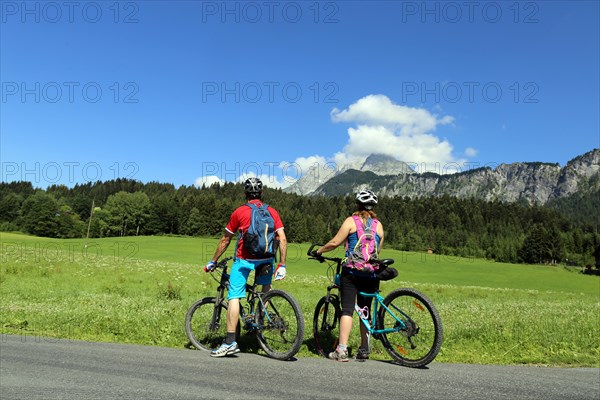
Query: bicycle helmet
<point>253,186</point>
<point>366,198</point>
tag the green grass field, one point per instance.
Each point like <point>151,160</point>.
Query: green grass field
<point>137,290</point>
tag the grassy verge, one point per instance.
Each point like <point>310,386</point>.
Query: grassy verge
<point>137,290</point>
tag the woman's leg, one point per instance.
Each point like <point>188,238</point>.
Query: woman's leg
<point>366,286</point>
<point>348,297</point>
<point>345,328</point>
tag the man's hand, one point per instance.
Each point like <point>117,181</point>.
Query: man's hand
<point>279,272</point>
<point>210,267</point>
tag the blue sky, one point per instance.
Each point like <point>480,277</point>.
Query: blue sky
<point>180,90</point>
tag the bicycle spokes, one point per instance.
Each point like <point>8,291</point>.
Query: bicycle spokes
<point>413,330</point>
<point>273,320</point>
<point>281,325</point>
<point>418,305</point>
<point>205,323</point>
<point>326,325</point>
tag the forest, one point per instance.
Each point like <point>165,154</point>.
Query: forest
<point>505,232</point>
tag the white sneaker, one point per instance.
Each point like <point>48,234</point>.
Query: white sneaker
<point>339,355</point>
<point>225,350</point>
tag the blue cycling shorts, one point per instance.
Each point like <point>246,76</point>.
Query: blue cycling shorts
<point>240,270</point>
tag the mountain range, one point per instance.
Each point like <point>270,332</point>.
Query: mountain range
<point>528,182</point>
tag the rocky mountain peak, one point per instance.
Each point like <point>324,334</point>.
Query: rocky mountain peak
<point>530,182</point>
<point>382,164</point>
<point>317,175</point>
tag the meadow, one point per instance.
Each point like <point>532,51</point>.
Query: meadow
<point>137,290</point>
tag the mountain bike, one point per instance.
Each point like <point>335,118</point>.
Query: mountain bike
<point>405,321</point>
<point>275,317</point>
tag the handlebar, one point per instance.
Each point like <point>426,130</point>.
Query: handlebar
<point>221,264</point>
<point>319,257</point>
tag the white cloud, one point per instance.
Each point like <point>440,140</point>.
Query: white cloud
<point>378,109</point>
<point>365,140</point>
<point>208,180</point>
<point>380,127</point>
<point>404,133</point>
<point>344,160</point>
<point>470,152</point>
<point>301,165</point>
<point>267,180</point>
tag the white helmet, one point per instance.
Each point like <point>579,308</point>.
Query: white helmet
<point>367,198</point>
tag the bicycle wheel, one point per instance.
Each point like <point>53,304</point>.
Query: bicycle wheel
<point>281,325</point>
<point>326,324</point>
<point>419,341</point>
<point>206,323</point>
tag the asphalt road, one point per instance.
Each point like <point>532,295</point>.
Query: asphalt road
<point>42,368</point>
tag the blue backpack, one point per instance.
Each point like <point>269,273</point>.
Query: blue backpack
<point>259,239</point>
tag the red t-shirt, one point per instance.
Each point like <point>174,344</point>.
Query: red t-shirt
<point>240,222</point>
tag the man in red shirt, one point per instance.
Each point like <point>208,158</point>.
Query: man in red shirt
<point>244,263</point>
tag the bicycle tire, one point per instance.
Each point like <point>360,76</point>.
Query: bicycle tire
<point>326,324</point>
<point>421,341</point>
<point>199,326</point>
<point>281,327</point>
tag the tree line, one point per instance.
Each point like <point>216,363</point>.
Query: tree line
<point>506,232</point>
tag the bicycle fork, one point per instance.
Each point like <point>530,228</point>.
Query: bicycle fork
<point>216,318</point>
<point>400,325</point>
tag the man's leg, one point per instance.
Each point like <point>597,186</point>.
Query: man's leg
<point>233,315</point>
<point>266,279</point>
<point>237,290</point>
<point>266,288</point>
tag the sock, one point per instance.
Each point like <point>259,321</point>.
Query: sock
<point>343,347</point>
<point>230,338</point>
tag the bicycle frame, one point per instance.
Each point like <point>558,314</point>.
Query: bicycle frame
<point>378,302</point>
<point>246,317</point>
<point>391,322</point>
<point>275,316</point>
<point>370,325</point>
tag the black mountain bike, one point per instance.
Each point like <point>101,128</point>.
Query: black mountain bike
<point>405,321</point>
<point>275,317</point>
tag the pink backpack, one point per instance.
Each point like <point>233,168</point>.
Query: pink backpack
<point>365,248</point>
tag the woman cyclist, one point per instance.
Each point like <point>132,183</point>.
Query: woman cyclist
<point>353,281</point>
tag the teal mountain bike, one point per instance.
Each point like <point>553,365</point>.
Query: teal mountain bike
<point>405,321</point>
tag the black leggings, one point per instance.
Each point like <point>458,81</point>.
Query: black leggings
<point>350,285</point>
